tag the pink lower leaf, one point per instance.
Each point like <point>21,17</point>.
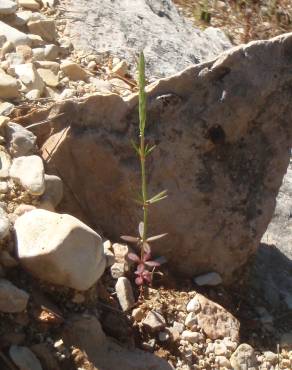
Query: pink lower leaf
<point>134,257</point>
<point>152,263</point>
<point>139,280</point>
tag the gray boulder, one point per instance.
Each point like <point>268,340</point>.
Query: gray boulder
<point>125,27</point>
<point>223,134</point>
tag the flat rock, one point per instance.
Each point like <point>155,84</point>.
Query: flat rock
<point>210,279</point>
<point>29,172</point>
<point>54,190</point>
<point>29,4</point>
<point>8,86</point>
<point>24,358</point>
<point>49,77</point>
<point>13,35</point>
<point>59,248</point>
<point>222,155</point>
<point>192,337</point>
<point>124,28</point>
<point>7,7</point>
<point>154,321</point>
<point>5,163</point>
<point>12,299</point>
<point>21,141</point>
<point>244,358</point>
<point>193,305</point>
<point>30,77</point>
<point>125,293</point>
<point>45,28</point>
<point>73,71</point>
<point>215,321</point>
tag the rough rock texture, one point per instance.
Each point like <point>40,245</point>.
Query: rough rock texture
<point>12,299</point>
<point>215,321</point>
<point>126,27</point>
<point>85,333</point>
<point>223,134</point>
<point>59,248</point>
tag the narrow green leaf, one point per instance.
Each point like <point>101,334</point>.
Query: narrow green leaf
<point>159,196</point>
<point>142,94</point>
<point>135,146</point>
<point>149,150</point>
<point>158,199</point>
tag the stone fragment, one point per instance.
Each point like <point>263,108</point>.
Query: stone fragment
<point>53,66</point>
<point>178,326</point>
<point>24,358</point>
<point>8,86</point>
<point>67,94</point>
<point>13,35</point>
<point>271,357</point>
<point>29,172</point>
<point>44,28</point>
<point>21,141</point>
<point>33,94</point>
<point>4,187</point>
<point>4,224</point>
<point>110,257</point>
<point>120,68</point>
<point>12,299</point>
<point>192,336</point>
<point>29,4</point>
<point>5,163</point>
<point>125,293</point>
<point>54,190</point>
<point>191,320</point>
<point>244,357</point>
<point>21,18</point>
<point>51,52</point>
<point>193,305</point>
<point>222,362</point>
<point>29,76</point>
<point>154,321</point>
<point>215,321</point>
<point>210,279</point>
<point>6,108</point>
<point>49,77</point>
<point>220,348</point>
<point>118,270</point>
<point>59,248</point>
<point>38,54</point>
<point>7,7</point>
<point>138,314</point>
<point>73,71</point>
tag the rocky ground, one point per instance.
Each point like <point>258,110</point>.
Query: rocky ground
<point>50,312</point>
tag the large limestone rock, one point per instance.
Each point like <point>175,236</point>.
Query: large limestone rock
<point>59,248</point>
<point>223,132</point>
<point>126,27</point>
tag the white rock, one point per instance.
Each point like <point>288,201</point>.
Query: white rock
<point>51,52</point>
<point>118,270</point>
<point>44,28</point>
<point>138,314</point>
<point>33,94</point>
<point>179,326</point>
<point>29,4</point>
<point>24,358</point>
<point>6,108</point>
<point>192,337</point>
<point>21,141</point>
<point>3,187</point>
<point>54,190</point>
<point>222,362</point>
<point>74,71</point>
<point>60,249</point>
<point>29,76</point>
<point>4,224</point>
<point>220,349</point>
<point>191,320</point>
<point>21,18</point>
<point>193,305</point>
<point>38,54</point>
<point>125,293</point>
<point>271,357</point>
<point>13,35</point>
<point>49,77</point>
<point>8,86</point>
<point>230,345</point>
<point>120,69</point>
<point>12,299</point>
<point>7,7</point>
<point>210,279</point>
<point>5,163</point>
<point>29,172</point>
<point>244,357</point>
<point>154,321</point>
<point>110,257</point>
<point>67,94</point>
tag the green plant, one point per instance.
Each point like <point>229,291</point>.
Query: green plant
<point>143,150</point>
